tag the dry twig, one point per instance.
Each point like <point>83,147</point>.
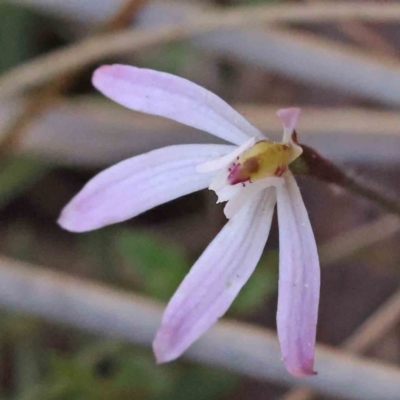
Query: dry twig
<point>243,348</point>
<point>311,163</point>
<point>47,96</point>
<point>359,238</point>
<point>365,36</point>
<point>344,135</point>
<point>92,50</point>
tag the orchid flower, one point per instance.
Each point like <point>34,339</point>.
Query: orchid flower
<point>252,175</point>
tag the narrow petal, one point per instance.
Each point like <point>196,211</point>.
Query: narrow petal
<point>138,184</point>
<point>228,192</point>
<point>219,163</point>
<point>246,193</point>
<point>290,117</point>
<point>220,180</point>
<point>169,96</point>
<point>299,281</point>
<point>215,279</point>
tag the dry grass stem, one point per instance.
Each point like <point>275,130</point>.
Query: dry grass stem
<point>244,348</point>
<point>94,49</point>
<point>359,238</point>
<point>47,96</point>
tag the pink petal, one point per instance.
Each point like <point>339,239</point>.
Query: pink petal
<point>139,184</point>
<point>299,281</point>
<point>169,96</point>
<point>222,162</point>
<point>216,278</point>
<point>227,193</point>
<point>244,194</point>
<point>290,117</point>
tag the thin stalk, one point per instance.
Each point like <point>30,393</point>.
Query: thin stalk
<point>311,163</point>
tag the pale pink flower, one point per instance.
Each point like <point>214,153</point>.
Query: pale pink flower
<point>251,177</point>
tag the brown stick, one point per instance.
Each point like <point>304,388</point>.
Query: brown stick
<point>47,96</point>
<point>40,70</point>
<point>359,238</point>
<point>313,164</point>
<point>364,35</point>
<point>240,347</point>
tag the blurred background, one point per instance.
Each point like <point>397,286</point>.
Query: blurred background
<point>79,311</point>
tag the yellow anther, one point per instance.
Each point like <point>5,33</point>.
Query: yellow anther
<point>262,160</point>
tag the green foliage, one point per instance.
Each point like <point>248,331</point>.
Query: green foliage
<point>158,265</point>
<point>18,174</point>
<point>116,371</point>
<point>200,383</point>
<point>96,249</point>
<point>104,371</point>
<point>169,58</point>
<point>110,370</point>
<point>299,166</point>
<point>262,285</point>
<point>15,327</point>
<point>23,34</point>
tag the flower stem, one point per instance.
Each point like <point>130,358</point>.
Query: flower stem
<point>311,163</point>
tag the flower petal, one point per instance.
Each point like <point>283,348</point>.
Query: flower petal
<point>169,96</point>
<point>139,184</point>
<point>215,279</point>
<point>220,180</point>
<point>228,192</point>
<point>299,281</point>
<point>242,196</point>
<point>290,117</point>
<point>222,162</point>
